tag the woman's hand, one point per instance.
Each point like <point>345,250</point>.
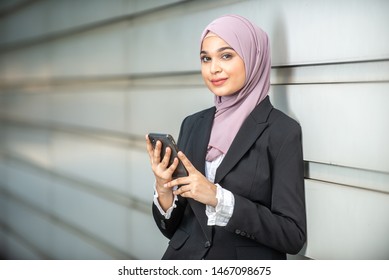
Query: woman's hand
<point>162,172</point>
<point>195,185</point>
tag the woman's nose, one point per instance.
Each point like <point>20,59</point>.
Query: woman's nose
<point>215,67</point>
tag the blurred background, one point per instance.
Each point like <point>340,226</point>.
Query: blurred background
<point>82,82</point>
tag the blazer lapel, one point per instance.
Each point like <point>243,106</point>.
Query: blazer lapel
<point>251,129</point>
<point>200,134</point>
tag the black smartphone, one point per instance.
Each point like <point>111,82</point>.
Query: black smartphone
<point>168,141</point>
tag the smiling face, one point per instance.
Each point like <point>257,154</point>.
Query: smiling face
<point>223,70</point>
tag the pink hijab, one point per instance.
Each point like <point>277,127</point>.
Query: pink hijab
<point>252,45</point>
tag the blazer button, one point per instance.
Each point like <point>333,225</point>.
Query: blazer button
<point>207,244</point>
<point>237,231</point>
<point>243,233</point>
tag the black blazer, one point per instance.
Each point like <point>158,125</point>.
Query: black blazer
<point>264,170</point>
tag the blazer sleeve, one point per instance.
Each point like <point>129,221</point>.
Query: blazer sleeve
<point>169,226</point>
<point>282,226</point>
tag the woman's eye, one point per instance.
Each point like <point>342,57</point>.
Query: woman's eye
<point>226,56</point>
<point>205,59</point>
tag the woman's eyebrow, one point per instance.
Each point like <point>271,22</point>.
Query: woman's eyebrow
<point>219,50</point>
<point>225,48</point>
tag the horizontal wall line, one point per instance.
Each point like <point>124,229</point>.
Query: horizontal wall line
<point>347,176</point>
<point>52,218</point>
<point>327,63</point>
<point>122,79</point>
<point>356,72</point>
<point>151,84</point>
<point>117,138</point>
<point>333,83</point>
<point>348,186</point>
<point>343,166</point>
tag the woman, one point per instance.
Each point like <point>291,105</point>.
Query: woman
<point>243,197</point>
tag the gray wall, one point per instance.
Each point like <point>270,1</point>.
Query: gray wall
<point>82,82</point>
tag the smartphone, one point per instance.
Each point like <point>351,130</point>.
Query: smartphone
<point>168,141</point>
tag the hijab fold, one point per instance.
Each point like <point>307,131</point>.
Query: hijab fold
<point>252,45</point>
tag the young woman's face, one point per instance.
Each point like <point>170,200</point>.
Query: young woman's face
<point>222,68</point>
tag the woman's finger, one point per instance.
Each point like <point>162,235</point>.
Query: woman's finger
<point>177,182</point>
<point>166,159</point>
<point>173,166</point>
<point>183,189</point>
<point>149,147</point>
<point>186,162</point>
<point>157,153</point>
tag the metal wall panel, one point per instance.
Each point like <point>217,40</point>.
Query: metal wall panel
<point>28,143</point>
<point>140,229</point>
<point>140,177</point>
<point>99,107</point>
<point>23,64</point>
<point>346,222</point>
<point>164,109</point>
<point>68,246</point>
<point>344,124</point>
<point>90,160</point>
<point>33,228</point>
<point>47,17</point>
<point>29,184</point>
<point>26,105</point>
<point>72,56</point>
<point>93,215</point>
<point>27,23</point>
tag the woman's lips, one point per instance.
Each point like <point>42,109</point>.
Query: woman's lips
<point>218,82</point>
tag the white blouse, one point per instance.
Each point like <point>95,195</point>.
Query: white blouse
<point>219,215</point>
